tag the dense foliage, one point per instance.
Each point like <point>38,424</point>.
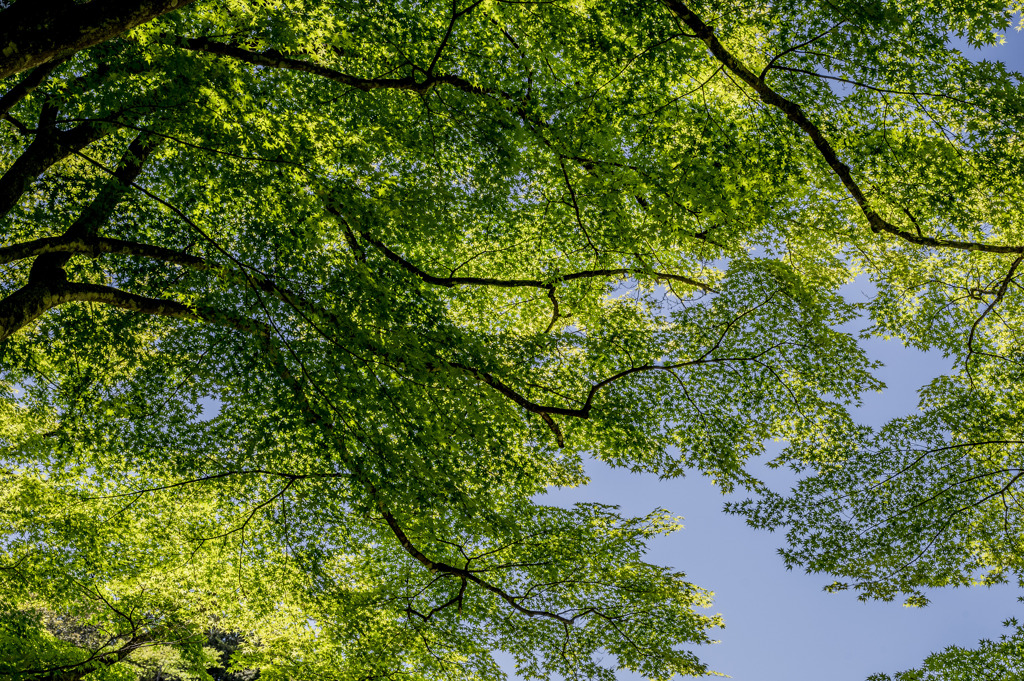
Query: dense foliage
<point>306,304</point>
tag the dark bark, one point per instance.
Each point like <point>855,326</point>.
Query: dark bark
<point>49,146</point>
<point>25,87</point>
<point>35,32</point>
<point>32,300</point>
<point>276,60</point>
<point>796,114</point>
<point>98,211</point>
<point>96,661</point>
<point>450,282</point>
<point>94,247</point>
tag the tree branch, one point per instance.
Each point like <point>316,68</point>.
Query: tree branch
<point>796,114</point>
<point>521,283</point>
<point>95,247</point>
<point>27,84</point>
<point>35,32</point>
<point>35,298</point>
<point>273,59</point>
<point>101,207</point>
<point>584,411</point>
<point>49,146</point>
<point>444,568</point>
<point>995,301</point>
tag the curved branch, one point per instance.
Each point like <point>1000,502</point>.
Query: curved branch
<point>584,411</point>
<point>467,575</point>
<point>252,513</point>
<point>519,105</point>
<point>49,146</point>
<point>102,206</point>
<point>456,13</point>
<point>556,314</point>
<point>95,247</point>
<point>796,114</point>
<point>995,301</point>
<point>451,282</point>
<point>96,660</point>
<point>26,85</point>
<point>793,48</point>
<point>546,412</point>
<point>273,59</point>
<point>35,298</point>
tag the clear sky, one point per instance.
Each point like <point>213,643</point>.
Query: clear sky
<point>780,625</point>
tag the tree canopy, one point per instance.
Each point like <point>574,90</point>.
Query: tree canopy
<point>305,305</point>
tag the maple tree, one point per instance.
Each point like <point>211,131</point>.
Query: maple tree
<point>305,305</point>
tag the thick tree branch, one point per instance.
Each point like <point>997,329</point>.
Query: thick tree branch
<point>101,207</point>
<point>49,146</point>
<point>25,87</point>
<point>95,247</point>
<point>35,298</point>
<point>796,114</point>
<point>34,32</point>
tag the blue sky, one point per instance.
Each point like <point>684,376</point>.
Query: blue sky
<point>780,625</point>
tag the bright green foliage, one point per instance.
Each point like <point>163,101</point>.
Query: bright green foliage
<point>40,644</point>
<point>306,305</point>
<point>1000,660</point>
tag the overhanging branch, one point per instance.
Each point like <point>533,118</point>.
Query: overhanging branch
<point>35,32</point>
<point>274,59</point>
<point>101,207</point>
<point>49,147</point>
<point>27,84</point>
<point>35,298</point>
<point>796,114</point>
<point>451,282</point>
<point>95,247</point>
